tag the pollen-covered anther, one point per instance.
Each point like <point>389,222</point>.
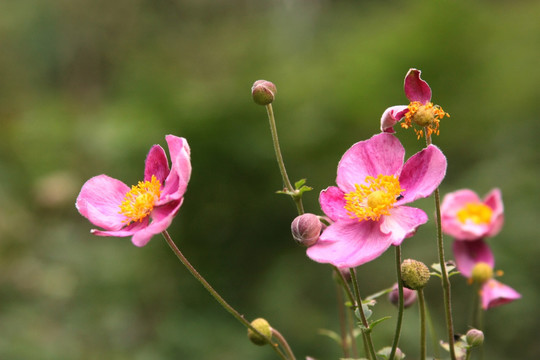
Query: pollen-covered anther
<point>373,199</point>
<point>140,200</point>
<point>427,116</point>
<point>477,213</point>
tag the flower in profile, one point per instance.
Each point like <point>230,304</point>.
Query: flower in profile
<point>475,261</point>
<point>420,111</point>
<point>367,207</point>
<point>145,209</point>
<point>466,217</point>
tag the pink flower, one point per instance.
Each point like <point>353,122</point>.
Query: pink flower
<point>146,209</point>
<point>466,217</point>
<point>367,205</point>
<point>475,261</point>
<point>420,111</point>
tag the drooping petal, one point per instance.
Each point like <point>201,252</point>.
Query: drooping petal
<point>176,182</point>
<point>381,154</point>
<point>156,164</point>
<point>469,253</point>
<point>350,243</point>
<point>494,201</point>
<point>332,203</point>
<point>162,218</point>
<point>495,293</point>
<point>402,223</point>
<point>391,116</point>
<point>416,89</point>
<point>422,174</point>
<point>99,201</point>
<point>126,231</point>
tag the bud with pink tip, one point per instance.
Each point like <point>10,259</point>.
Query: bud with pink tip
<point>306,229</point>
<point>409,296</point>
<point>263,92</point>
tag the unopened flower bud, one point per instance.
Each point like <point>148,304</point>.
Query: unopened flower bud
<point>474,337</point>
<point>306,229</point>
<point>481,272</point>
<point>414,274</point>
<point>264,328</point>
<point>263,92</point>
<point>387,350</point>
<point>409,296</point>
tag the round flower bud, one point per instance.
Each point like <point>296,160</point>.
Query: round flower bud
<point>414,274</point>
<point>263,92</point>
<point>385,352</point>
<point>264,328</point>
<point>306,229</point>
<point>474,337</point>
<point>481,272</point>
<point>409,296</point>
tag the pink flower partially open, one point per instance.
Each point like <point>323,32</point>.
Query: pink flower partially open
<point>475,261</point>
<point>466,217</point>
<point>145,209</point>
<point>367,207</point>
<point>420,110</point>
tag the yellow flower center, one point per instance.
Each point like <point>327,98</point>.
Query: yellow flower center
<point>139,201</point>
<point>376,198</point>
<point>481,272</point>
<point>427,116</point>
<point>478,213</point>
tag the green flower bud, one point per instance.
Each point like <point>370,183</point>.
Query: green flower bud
<point>263,92</point>
<point>414,274</point>
<point>306,229</point>
<point>474,337</point>
<point>264,328</point>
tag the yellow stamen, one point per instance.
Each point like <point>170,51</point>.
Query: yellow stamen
<point>376,198</point>
<point>427,116</point>
<point>139,201</point>
<point>478,213</point>
<point>482,272</point>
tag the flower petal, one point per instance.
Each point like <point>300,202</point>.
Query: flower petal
<point>176,182</point>
<point>126,231</point>
<point>350,243</point>
<point>495,293</point>
<point>469,253</point>
<point>494,201</point>
<point>422,173</point>
<point>402,223</point>
<point>391,116</point>
<point>162,218</point>
<point>332,203</point>
<point>99,201</point>
<point>156,164</point>
<point>416,89</point>
<point>381,154</point>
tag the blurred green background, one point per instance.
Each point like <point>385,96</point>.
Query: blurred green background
<point>86,87</point>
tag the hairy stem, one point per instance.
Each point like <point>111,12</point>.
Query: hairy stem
<point>365,325</point>
<point>400,303</point>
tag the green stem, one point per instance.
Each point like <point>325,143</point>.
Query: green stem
<point>365,325</point>
<point>445,282</point>
<point>283,343</point>
<point>214,293</point>
<point>342,321</point>
<point>400,303</point>
<point>422,308</point>
<point>281,164</point>
<point>434,339</point>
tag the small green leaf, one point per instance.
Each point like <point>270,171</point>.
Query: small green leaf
<point>299,183</point>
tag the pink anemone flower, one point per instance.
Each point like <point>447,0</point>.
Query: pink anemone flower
<point>145,209</point>
<point>420,111</point>
<point>475,261</point>
<point>367,207</point>
<point>466,217</point>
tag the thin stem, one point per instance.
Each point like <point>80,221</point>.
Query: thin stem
<point>434,339</point>
<point>283,343</point>
<point>400,303</point>
<point>422,308</point>
<point>342,321</point>
<point>445,282</point>
<point>214,293</point>
<point>281,163</point>
<point>365,325</point>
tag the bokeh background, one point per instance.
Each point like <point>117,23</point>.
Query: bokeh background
<point>86,87</point>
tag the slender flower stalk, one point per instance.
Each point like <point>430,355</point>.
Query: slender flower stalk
<point>445,282</point>
<point>365,325</point>
<point>215,294</point>
<point>343,328</point>
<point>284,344</point>
<point>422,308</point>
<point>400,303</point>
<point>281,163</point>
